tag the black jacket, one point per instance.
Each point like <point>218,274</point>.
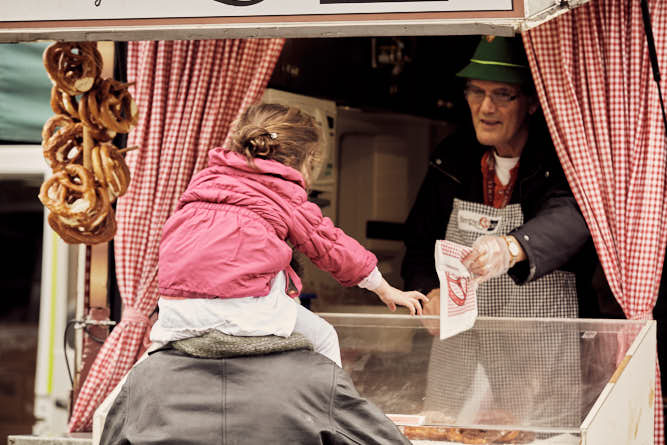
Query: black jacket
<point>295,397</point>
<point>554,229</point>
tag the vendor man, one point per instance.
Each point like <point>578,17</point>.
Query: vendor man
<point>503,192</point>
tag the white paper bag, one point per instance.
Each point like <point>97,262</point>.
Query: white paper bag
<point>458,298</point>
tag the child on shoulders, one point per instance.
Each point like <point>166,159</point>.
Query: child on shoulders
<point>225,254</point>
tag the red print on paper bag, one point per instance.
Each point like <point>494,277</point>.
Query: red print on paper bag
<point>458,289</point>
<point>458,310</point>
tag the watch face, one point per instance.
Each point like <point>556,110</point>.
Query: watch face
<point>512,247</point>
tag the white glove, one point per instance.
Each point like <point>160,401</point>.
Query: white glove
<point>489,258</point>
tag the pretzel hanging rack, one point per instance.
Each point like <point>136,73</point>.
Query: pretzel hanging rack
<point>89,172</point>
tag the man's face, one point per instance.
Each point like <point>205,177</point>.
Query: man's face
<point>499,113</point>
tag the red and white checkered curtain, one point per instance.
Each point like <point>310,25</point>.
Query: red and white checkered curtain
<point>188,93</point>
<point>593,76</point>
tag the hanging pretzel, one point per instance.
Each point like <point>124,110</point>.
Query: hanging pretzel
<point>98,213</point>
<point>62,141</point>
<point>110,170</point>
<point>72,235</point>
<point>53,124</point>
<point>73,67</point>
<point>96,225</point>
<point>90,116</point>
<point>70,193</point>
<point>63,103</point>
<point>69,151</point>
<point>110,106</point>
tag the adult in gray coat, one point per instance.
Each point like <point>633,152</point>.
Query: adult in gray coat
<point>226,390</point>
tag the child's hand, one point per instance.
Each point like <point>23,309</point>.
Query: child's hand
<point>392,297</point>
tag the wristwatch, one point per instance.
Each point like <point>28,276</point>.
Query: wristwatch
<point>513,248</point>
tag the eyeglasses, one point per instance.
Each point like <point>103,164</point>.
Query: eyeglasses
<point>499,98</point>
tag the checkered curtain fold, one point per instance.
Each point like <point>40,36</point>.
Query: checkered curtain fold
<point>593,76</point>
<point>188,93</point>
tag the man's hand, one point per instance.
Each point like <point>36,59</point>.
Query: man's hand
<point>432,308</point>
<point>433,305</point>
<point>490,258</point>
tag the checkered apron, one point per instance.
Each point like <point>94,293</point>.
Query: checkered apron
<point>553,295</point>
<point>533,374</point>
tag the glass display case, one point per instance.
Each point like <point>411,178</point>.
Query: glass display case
<point>506,380</point>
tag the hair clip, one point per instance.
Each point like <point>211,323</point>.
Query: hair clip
<point>273,135</point>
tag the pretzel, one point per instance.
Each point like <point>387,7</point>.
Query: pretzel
<point>454,434</point>
<point>52,125</point>
<point>73,67</point>
<point>90,117</point>
<point>509,437</point>
<point>467,435</point>
<point>72,235</point>
<point>516,437</point>
<point>70,193</point>
<point>426,433</point>
<point>98,213</point>
<point>63,103</point>
<point>67,109</point>
<point>479,437</point>
<point>110,169</point>
<point>69,151</point>
<point>110,106</point>
<point>62,141</point>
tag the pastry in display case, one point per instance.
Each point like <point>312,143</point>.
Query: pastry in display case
<point>506,380</point>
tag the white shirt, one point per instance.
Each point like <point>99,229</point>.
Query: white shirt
<point>503,167</point>
<point>272,314</point>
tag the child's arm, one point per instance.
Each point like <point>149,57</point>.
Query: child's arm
<point>330,249</point>
<point>392,296</point>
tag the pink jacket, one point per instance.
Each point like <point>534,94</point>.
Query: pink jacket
<point>226,238</point>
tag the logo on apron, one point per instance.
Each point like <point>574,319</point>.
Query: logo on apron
<point>477,222</point>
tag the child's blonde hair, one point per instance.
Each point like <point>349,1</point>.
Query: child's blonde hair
<point>278,132</point>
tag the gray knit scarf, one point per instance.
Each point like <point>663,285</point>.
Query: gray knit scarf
<point>215,344</point>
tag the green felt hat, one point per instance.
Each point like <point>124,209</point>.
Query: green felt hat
<point>499,59</point>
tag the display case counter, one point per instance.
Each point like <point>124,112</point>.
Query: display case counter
<point>507,380</point>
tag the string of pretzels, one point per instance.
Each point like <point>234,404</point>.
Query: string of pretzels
<point>89,172</point>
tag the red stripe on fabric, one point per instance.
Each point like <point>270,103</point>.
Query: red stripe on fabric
<point>593,78</point>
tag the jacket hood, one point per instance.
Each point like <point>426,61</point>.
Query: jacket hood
<point>226,158</point>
